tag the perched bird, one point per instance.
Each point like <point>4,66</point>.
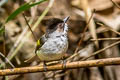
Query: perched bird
<point>54,43</point>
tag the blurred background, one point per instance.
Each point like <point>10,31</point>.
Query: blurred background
<point>20,44</point>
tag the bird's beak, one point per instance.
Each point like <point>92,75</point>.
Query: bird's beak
<point>66,19</point>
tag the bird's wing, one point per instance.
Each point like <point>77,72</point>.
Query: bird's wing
<point>40,42</point>
<point>50,46</point>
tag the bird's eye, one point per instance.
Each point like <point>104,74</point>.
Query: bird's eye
<point>53,23</point>
<point>60,25</point>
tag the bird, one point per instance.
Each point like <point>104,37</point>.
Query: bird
<point>54,43</point>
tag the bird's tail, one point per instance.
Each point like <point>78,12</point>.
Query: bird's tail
<point>31,59</point>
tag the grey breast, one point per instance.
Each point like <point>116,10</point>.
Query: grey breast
<point>54,49</point>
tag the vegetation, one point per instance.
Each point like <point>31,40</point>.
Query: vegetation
<point>93,52</point>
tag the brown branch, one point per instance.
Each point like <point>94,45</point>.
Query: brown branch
<point>86,27</point>
<point>35,37</point>
<point>72,65</point>
<point>92,28</point>
<point>99,39</point>
<point>81,40</point>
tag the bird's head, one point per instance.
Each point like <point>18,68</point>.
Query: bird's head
<point>57,27</point>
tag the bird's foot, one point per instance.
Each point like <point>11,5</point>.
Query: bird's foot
<point>64,64</point>
<point>44,66</point>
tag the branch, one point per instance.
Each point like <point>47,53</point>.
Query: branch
<point>72,65</point>
<point>81,40</point>
<point>92,27</point>
<point>33,28</point>
<point>99,39</point>
<point>35,37</point>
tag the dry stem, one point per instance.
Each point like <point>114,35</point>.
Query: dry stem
<point>72,65</point>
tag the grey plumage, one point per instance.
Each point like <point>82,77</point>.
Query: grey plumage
<point>54,43</point>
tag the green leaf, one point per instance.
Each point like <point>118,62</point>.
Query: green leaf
<point>24,7</point>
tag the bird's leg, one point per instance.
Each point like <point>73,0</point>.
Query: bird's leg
<point>63,63</point>
<point>44,66</point>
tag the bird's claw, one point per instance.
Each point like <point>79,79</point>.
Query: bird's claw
<point>63,64</point>
<point>44,66</point>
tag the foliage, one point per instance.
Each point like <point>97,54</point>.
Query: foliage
<point>24,7</point>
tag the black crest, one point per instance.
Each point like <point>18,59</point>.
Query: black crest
<point>52,23</point>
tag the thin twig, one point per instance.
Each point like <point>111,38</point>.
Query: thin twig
<point>19,39</point>
<point>35,37</point>
<point>72,65</point>
<point>33,28</point>
<point>7,60</point>
<point>106,39</point>
<point>101,50</point>
<point>114,3</point>
<point>11,54</point>
<point>92,28</point>
<point>86,27</point>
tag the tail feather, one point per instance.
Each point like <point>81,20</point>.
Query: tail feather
<point>30,59</point>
